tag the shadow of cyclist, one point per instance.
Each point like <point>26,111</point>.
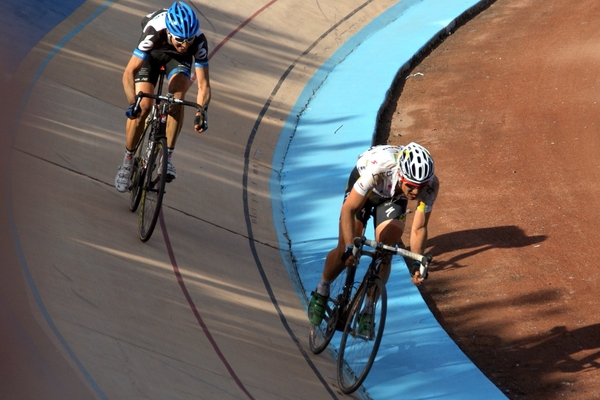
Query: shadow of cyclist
<point>542,355</point>
<point>478,241</point>
<point>562,350</point>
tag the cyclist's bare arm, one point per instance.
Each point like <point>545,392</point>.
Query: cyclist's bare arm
<point>418,239</point>
<point>418,233</point>
<point>352,204</point>
<point>133,66</point>
<point>204,90</point>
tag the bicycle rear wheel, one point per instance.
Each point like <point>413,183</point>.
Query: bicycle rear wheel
<point>320,335</point>
<point>153,189</point>
<point>357,349</point>
<point>139,168</point>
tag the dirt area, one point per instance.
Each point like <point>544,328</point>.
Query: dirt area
<point>509,106</point>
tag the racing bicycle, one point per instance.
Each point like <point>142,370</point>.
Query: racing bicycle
<point>348,299</point>
<point>149,175</point>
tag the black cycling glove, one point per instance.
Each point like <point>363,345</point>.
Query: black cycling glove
<point>414,267</point>
<point>132,111</point>
<point>347,253</point>
<point>201,120</point>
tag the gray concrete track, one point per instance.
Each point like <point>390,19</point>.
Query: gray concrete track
<point>205,309</point>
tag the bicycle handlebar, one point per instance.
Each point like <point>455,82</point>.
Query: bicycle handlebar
<point>423,259</point>
<point>169,99</point>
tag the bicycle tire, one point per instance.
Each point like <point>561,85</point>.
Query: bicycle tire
<point>357,352</point>
<point>319,336</point>
<point>154,189</point>
<point>140,161</point>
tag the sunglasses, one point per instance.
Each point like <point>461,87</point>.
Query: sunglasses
<point>182,40</point>
<point>413,186</point>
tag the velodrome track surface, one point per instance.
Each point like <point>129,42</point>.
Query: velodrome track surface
<point>205,309</point>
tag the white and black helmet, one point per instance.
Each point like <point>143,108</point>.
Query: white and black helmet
<point>415,163</point>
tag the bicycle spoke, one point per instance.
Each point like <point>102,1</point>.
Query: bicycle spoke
<point>153,190</point>
<point>359,344</point>
<point>320,335</point>
<point>139,170</point>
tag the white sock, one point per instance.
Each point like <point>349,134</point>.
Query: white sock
<point>368,308</point>
<point>128,158</point>
<point>323,288</point>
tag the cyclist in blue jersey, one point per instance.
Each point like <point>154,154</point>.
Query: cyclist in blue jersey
<point>384,180</point>
<point>171,38</point>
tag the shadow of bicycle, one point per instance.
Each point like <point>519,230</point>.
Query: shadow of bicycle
<point>478,241</point>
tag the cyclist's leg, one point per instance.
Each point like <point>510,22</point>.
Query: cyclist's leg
<point>179,80</point>
<point>333,261</point>
<point>134,128</point>
<point>178,69</point>
<point>145,81</point>
<point>389,227</point>
<point>332,269</point>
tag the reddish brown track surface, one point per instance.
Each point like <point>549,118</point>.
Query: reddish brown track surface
<point>509,105</point>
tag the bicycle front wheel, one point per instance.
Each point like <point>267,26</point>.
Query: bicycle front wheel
<point>139,169</point>
<point>153,189</point>
<point>320,335</point>
<point>360,340</point>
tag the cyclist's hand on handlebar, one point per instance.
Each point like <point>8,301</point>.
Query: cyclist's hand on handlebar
<point>415,273</point>
<point>133,111</point>
<point>201,121</point>
<point>349,261</point>
<point>348,257</point>
<point>417,279</point>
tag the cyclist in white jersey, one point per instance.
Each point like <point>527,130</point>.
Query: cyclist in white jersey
<point>171,38</point>
<point>384,180</point>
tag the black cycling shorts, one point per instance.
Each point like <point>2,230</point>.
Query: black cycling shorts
<point>383,209</point>
<point>174,64</point>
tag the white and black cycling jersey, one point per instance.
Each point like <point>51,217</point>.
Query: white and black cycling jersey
<point>378,169</point>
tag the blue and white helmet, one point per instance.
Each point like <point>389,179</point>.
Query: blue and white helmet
<point>416,163</point>
<point>182,21</point>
